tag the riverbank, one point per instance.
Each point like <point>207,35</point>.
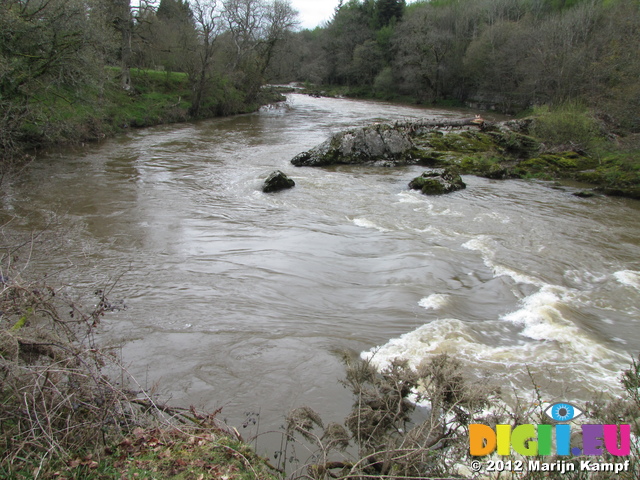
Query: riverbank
<point>609,171</point>
<point>59,118</point>
<point>566,142</point>
<point>70,410</point>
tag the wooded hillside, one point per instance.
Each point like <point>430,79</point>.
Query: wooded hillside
<point>508,54</point>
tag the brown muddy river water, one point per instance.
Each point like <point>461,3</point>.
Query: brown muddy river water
<point>240,299</point>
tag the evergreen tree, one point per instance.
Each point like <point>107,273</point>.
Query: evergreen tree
<point>388,12</point>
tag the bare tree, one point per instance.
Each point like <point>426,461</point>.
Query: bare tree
<point>280,18</point>
<point>256,27</point>
<point>123,22</point>
<point>208,19</point>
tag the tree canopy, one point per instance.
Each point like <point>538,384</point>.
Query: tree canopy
<point>61,50</point>
<point>509,54</point>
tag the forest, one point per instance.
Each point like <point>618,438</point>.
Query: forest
<point>73,70</point>
<point>504,54</point>
<point>78,70</point>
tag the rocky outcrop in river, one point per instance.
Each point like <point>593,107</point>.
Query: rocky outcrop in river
<point>497,151</point>
<point>406,143</point>
<point>379,144</point>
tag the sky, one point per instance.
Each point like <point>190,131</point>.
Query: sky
<point>314,12</point>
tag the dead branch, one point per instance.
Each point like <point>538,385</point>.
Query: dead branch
<point>426,123</point>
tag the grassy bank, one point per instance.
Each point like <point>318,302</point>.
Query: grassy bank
<point>568,142</point>
<point>56,116</point>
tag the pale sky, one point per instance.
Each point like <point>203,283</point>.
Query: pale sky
<point>314,12</point>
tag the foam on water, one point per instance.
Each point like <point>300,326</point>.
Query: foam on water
<point>434,301</point>
<point>410,197</point>
<point>545,336</point>
<point>541,315</point>
<point>493,216</point>
<point>594,367</point>
<point>426,205</point>
<point>486,246</point>
<point>363,222</point>
<point>628,278</point>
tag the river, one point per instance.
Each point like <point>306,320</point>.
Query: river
<point>240,299</point>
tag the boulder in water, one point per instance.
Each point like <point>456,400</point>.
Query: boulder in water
<point>376,144</point>
<point>437,182</point>
<point>277,181</point>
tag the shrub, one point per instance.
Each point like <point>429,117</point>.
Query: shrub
<point>380,427</point>
<point>569,126</point>
<point>54,397</point>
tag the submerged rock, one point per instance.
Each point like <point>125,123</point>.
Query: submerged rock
<point>375,144</point>
<point>437,182</point>
<point>584,194</point>
<point>277,181</point>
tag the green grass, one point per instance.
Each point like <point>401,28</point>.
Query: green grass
<point>171,455</point>
<point>59,116</point>
<point>569,125</point>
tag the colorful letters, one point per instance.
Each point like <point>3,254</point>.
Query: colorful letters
<point>530,440</point>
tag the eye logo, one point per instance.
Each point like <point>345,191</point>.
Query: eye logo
<point>563,412</point>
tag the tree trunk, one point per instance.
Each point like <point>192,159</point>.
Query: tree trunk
<point>124,26</point>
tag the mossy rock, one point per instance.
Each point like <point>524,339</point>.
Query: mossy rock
<point>549,163</point>
<point>438,182</point>
<point>584,194</point>
<point>495,171</point>
<point>516,144</point>
<point>463,142</point>
<point>589,176</point>
<point>277,181</point>
<point>439,159</point>
<point>486,166</point>
<point>566,164</point>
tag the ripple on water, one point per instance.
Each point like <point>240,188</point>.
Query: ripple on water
<point>237,296</point>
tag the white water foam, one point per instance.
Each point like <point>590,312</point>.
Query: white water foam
<point>551,344</point>
<point>584,278</point>
<point>363,222</point>
<point>486,246</point>
<point>501,217</point>
<point>409,197</point>
<point>541,315</point>
<point>510,364</point>
<point>434,301</point>
<point>628,278</point>
<point>426,205</point>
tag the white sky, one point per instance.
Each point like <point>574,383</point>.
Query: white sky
<point>314,12</point>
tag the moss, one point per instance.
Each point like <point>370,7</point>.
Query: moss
<point>564,164</point>
<point>427,157</point>
<point>516,144</point>
<point>438,182</point>
<point>432,187</point>
<point>463,142</point>
<point>589,176</point>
